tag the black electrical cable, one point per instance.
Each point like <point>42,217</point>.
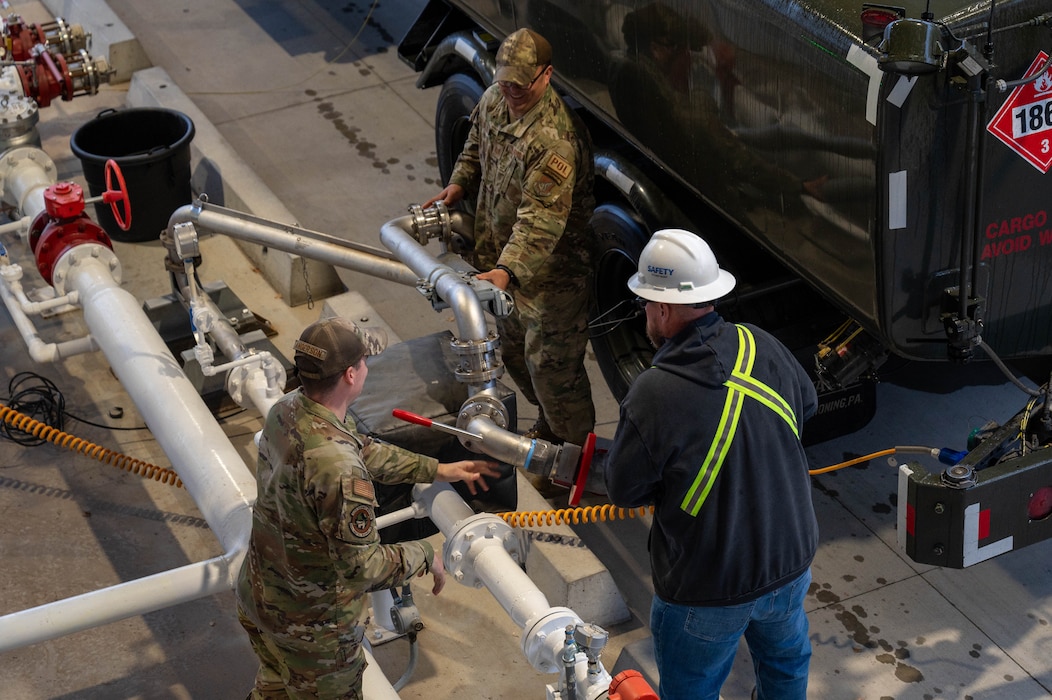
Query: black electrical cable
<point>41,401</point>
<point>39,398</point>
<point>611,325</point>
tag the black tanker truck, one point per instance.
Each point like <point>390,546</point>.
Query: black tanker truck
<point>875,176</point>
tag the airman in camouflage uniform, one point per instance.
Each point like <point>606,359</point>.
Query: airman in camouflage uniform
<point>315,552</point>
<point>527,163</point>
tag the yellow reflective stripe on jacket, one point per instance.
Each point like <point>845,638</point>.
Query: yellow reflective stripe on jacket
<point>744,382</point>
<point>739,386</point>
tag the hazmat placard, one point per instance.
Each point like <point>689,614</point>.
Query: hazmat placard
<point>1024,121</point>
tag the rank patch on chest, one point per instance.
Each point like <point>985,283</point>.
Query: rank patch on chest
<point>559,167</point>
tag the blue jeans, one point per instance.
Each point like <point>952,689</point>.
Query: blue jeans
<point>695,646</point>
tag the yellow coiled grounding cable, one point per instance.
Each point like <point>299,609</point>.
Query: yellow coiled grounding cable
<point>573,516</point>
<point>43,431</point>
<point>591,514</point>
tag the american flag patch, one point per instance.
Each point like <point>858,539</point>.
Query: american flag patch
<point>363,488</point>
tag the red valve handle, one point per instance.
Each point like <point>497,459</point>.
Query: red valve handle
<point>411,417</point>
<point>587,452</point>
<point>112,196</point>
<point>428,423</point>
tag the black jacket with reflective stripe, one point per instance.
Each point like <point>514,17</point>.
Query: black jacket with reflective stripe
<point>756,529</point>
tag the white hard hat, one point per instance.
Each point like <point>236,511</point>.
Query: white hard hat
<point>677,267</point>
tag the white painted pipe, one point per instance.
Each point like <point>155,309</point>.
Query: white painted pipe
<point>375,685</point>
<point>514,590</point>
<point>26,173</point>
<point>13,275</point>
<point>489,564</point>
<point>118,602</point>
<point>211,469</point>
<point>39,350</point>
<point>410,512</point>
<point>21,226</point>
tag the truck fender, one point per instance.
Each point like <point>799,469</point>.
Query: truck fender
<point>460,52</point>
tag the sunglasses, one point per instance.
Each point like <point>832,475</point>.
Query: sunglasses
<point>507,84</point>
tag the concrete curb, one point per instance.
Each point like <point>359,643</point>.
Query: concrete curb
<point>566,570</point>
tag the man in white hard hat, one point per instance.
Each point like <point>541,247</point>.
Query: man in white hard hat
<point>710,434</point>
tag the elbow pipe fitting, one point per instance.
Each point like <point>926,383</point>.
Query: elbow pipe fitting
<point>471,322</point>
<point>534,455</point>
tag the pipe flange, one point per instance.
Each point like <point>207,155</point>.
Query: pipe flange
<point>543,638</point>
<point>19,116</point>
<point>77,252</point>
<point>474,534</point>
<point>429,223</point>
<point>483,405</point>
<point>16,158</point>
<point>478,362</point>
<point>466,348</point>
<point>479,376</point>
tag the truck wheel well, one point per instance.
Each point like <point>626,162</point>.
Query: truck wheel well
<point>460,93</point>
<point>617,330</point>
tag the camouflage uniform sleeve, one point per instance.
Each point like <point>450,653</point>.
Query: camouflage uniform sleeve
<point>356,544</point>
<point>390,464</point>
<point>347,518</point>
<point>547,198</point>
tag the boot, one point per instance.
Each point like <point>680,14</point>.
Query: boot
<point>541,431</point>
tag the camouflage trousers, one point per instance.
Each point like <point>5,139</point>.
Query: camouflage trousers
<point>543,343</point>
<point>290,671</point>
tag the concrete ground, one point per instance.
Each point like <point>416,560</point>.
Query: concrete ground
<point>327,125</point>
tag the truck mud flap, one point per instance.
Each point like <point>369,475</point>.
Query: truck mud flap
<point>841,411</point>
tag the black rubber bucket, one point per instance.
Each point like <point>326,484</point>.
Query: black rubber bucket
<point>152,148</point>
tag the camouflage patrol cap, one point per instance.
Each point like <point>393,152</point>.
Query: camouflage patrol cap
<point>520,55</point>
<point>331,345</point>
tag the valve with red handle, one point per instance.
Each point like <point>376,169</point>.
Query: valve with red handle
<point>566,465</point>
<point>113,197</point>
<point>63,225</point>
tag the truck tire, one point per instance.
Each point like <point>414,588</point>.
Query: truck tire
<point>460,93</point>
<point>617,328</point>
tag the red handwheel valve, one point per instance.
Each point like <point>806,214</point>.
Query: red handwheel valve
<point>113,196</point>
